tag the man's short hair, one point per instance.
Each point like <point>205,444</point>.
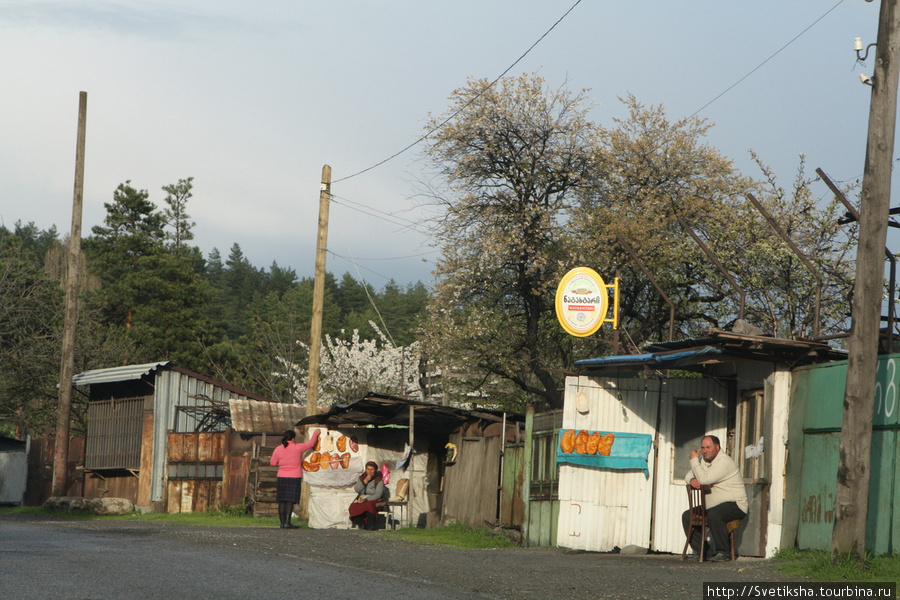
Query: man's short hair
<point>715,440</point>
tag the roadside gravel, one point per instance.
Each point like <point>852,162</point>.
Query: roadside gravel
<point>520,573</point>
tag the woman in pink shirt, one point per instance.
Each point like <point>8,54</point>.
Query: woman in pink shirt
<point>288,457</point>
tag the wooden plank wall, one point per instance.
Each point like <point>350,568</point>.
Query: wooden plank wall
<point>471,485</point>
<point>143,492</point>
<point>40,469</point>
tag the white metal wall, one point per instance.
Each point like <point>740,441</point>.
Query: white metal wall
<point>778,389</point>
<point>13,477</point>
<point>602,509</point>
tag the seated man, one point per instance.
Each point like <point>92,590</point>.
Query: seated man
<point>726,501</point>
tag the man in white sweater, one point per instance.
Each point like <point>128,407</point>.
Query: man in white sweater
<point>726,501</point>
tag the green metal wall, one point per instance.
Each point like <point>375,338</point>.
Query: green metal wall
<point>815,430</point>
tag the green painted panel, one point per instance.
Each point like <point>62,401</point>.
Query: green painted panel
<point>543,523</point>
<point>512,509</point>
<point>819,392</point>
<point>822,386</point>
<point>887,412</point>
<point>895,517</point>
<point>881,521</point>
<point>817,485</point>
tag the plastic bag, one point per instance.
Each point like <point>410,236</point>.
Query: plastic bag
<point>385,473</point>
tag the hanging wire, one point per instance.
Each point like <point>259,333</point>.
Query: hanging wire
<point>462,108</point>
<point>760,65</point>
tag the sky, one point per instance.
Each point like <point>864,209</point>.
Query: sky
<point>252,99</point>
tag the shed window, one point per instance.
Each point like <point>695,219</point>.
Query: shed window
<point>114,434</point>
<point>690,427</point>
<point>545,473</point>
<point>750,435</point>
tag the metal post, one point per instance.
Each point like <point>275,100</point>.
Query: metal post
<point>892,314</point>
<point>659,290</point>
<point>715,261</point>
<point>812,269</point>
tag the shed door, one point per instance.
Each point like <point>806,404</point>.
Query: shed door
<point>689,409</point>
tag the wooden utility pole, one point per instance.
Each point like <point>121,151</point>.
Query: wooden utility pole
<point>851,502</point>
<point>315,330</point>
<point>67,364</point>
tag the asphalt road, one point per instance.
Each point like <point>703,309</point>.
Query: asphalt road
<point>111,560</point>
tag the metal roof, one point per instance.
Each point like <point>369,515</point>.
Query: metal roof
<point>662,360</point>
<point>716,347</point>
<point>379,410</point>
<point>134,372</point>
<point>114,374</point>
<point>11,444</point>
<point>250,416</point>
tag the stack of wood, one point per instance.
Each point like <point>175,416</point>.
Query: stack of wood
<point>263,481</point>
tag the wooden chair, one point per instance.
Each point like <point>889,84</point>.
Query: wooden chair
<point>697,506</point>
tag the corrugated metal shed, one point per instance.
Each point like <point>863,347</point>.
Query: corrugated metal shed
<point>249,416</point>
<point>114,374</point>
<point>180,400</point>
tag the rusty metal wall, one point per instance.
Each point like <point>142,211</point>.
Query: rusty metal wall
<point>195,471</point>
<point>253,416</point>
<point>174,389</point>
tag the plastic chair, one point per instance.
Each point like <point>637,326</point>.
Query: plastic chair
<point>697,506</point>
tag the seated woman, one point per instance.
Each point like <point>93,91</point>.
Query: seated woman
<point>370,492</point>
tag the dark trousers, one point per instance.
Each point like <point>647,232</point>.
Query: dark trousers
<point>716,518</point>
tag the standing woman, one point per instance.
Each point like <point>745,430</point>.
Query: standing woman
<point>370,493</point>
<point>288,457</point>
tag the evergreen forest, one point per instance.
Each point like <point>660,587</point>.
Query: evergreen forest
<point>147,295</point>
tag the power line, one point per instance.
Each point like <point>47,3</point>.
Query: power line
<point>388,217</point>
<point>336,255</point>
<point>466,105</point>
<point>760,65</point>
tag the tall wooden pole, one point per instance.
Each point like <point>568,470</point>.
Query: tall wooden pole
<point>67,364</point>
<point>315,330</point>
<point>851,502</point>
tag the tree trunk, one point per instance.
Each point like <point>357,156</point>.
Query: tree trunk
<point>851,502</point>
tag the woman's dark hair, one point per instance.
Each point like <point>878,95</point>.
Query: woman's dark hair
<point>288,436</point>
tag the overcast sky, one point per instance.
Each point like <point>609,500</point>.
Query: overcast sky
<point>251,99</point>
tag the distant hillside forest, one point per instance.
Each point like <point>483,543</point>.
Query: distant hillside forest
<point>149,295</point>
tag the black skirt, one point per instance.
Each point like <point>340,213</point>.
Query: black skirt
<point>288,489</point>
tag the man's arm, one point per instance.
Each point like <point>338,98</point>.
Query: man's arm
<point>689,477</point>
<point>714,473</point>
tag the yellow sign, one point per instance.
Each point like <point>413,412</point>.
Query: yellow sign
<point>582,301</point>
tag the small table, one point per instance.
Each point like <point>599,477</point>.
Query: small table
<point>389,509</point>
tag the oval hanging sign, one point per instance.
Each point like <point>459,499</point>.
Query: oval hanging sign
<point>581,301</point>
